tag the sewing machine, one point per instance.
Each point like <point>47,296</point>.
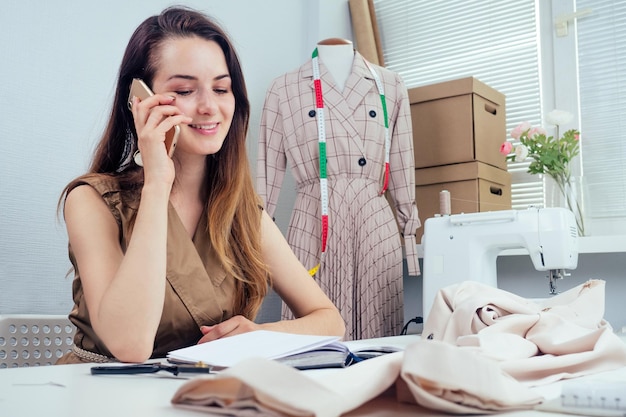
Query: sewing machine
<point>463,247</point>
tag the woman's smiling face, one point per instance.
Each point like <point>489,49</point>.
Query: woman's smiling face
<point>194,70</point>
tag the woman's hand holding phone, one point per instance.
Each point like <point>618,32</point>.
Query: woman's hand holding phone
<point>156,122</point>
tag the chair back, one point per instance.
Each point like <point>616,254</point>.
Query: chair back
<point>34,340</point>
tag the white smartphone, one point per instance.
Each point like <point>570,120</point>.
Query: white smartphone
<point>140,90</point>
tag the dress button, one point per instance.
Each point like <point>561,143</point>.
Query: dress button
<point>312,113</point>
<point>372,113</point>
<point>362,161</point>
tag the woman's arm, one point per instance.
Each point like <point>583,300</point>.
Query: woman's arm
<point>125,292</point>
<point>314,312</point>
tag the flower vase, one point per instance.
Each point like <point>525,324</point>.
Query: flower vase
<point>568,192</point>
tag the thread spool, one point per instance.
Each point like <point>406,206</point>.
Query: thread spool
<point>444,203</point>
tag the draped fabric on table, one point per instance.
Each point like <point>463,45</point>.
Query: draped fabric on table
<point>479,333</point>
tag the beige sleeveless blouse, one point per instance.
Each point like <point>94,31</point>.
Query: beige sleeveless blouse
<point>198,291</point>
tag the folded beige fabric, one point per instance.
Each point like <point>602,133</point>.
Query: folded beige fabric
<point>264,388</point>
<point>536,342</point>
<point>447,378</point>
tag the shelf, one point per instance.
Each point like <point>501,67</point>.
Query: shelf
<point>602,244</point>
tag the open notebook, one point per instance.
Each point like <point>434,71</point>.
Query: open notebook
<point>299,351</point>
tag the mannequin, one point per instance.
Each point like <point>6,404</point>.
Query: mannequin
<point>346,153</point>
<point>337,54</point>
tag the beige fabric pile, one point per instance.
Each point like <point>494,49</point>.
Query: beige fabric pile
<point>481,350</point>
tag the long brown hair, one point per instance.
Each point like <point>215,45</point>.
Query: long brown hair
<point>231,204</point>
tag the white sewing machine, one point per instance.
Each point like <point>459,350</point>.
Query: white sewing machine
<point>463,247</point>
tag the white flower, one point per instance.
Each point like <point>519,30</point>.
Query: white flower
<point>521,153</point>
<point>559,117</point>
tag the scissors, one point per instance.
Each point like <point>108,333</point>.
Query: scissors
<point>150,368</point>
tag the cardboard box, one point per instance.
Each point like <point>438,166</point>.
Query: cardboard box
<point>457,121</point>
<point>473,186</point>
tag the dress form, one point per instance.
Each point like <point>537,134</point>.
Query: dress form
<point>337,55</point>
<point>362,271</point>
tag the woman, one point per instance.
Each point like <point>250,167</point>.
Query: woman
<point>170,252</point>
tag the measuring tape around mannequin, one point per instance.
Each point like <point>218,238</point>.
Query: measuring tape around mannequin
<point>321,139</point>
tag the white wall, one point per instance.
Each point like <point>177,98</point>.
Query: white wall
<point>59,63</point>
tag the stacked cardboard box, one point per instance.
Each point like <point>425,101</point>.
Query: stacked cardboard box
<point>458,127</point>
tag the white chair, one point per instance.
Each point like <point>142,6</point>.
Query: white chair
<point>34,340</point>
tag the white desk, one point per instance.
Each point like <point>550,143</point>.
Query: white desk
<point>71,390</point>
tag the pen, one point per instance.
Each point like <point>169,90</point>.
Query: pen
<point>149,368</point>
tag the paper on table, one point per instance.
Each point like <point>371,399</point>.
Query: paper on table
<point>266,344</point>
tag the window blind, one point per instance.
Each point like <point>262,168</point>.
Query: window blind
<point>496,42</point>
<point>602,79</point>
